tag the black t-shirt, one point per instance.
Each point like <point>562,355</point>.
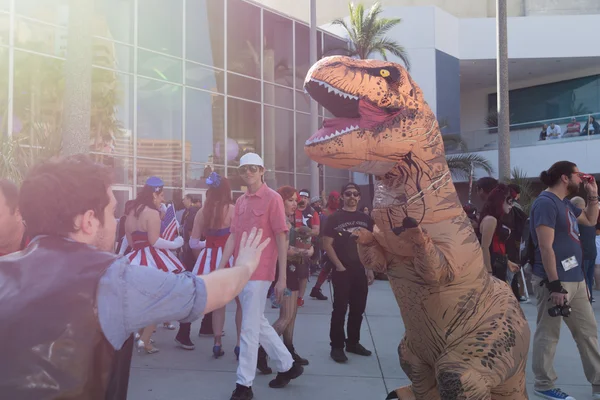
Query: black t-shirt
<point>188,222</point>
<point>340,226</point>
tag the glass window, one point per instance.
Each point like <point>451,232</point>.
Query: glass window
<point>157,66</point>
<point>243,38</point>
<point>112,112</point>
<point>279,96</point>
<point>109,54</point>
<point>41,38</point>
<point>336,173</point>
<point>205,31</point>
<point>302,101</point>
<point>159,128</point>
<point>303,182</point>
<point>275,180</point>
<point>204,78</point>
<point>122,167</point>
<point>170,172</point>
<point>4,29</point>
<point>334,46</point>
<point>38,94</point>
<point>279,139</point>
<point>113,19</point>
<point>53,11</point>
<point>122,197</point>
<point>3,88</point>
<point>204,127</point>
<point>303,52</point>
<point>196,174</point>
<point>246,88</point>
<point>337,184</point>
<point>302,135</point>
<point>4,5</point>
<point>278,49</point>
<point>160,26</point>
<point>243,127</point>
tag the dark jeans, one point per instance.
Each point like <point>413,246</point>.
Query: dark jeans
<point>350,288</point>
<point>588,271</point>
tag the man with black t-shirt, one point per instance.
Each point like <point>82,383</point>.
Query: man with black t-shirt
<point>350,279</point>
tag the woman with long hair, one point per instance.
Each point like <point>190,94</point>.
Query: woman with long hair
<point>494,234</point>
<point>212,222</point>
<point>288,308</point>
<point>142,229</point>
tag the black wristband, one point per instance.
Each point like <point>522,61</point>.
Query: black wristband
<point>555,286</point>
<point>593,198</point>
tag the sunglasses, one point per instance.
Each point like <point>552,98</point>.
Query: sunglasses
<point>351,194</point>
<point>252,168</point>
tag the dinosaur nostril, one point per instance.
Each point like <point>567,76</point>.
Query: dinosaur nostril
<point>409,222</point>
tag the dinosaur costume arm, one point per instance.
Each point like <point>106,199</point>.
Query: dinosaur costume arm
<point>370,251</point>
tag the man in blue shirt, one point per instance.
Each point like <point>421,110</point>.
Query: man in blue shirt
<point>558,277</point>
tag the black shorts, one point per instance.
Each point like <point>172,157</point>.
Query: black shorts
<point>302,271</point>
<point>292,280</point>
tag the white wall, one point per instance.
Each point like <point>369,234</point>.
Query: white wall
<point>532,37</point>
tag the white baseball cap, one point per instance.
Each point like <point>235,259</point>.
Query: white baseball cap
<point>251,159</point>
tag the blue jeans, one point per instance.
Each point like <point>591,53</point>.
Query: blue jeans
<point>588,271</point>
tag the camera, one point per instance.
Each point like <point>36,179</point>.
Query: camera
<point>560,311</point>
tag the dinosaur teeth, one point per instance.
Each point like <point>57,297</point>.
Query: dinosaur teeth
<point>331,89</point>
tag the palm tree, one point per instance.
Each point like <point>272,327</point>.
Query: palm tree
<point>460,165</point>
<point>527,193</point>
<point>367,34</point>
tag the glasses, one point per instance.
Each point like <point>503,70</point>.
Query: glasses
<point>252,168</point>
<point>351,194</point>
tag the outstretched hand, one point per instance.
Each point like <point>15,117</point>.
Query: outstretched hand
<point>251,249</point>
<point>362,236</point>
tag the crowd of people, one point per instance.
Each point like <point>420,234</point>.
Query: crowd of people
<point>106,284</point>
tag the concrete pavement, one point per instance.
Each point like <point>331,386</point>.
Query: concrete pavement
<point>174,373</point>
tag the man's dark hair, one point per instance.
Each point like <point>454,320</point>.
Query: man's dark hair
<point>515,188</point>
<point>556,171</point>
<point>10,191</point>
<point>487,184</point>
<point>189,197</point>
<point>55,192</point>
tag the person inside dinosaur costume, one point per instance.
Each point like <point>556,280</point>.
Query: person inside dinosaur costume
<point>466,335</point>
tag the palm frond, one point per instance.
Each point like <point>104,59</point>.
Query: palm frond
<point>393,47</point>
<point>454,142</point>
<point>519,177</point>
<point>460,164</point>
<point>384,25</point>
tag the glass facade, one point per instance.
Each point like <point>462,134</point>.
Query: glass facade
<point>179,87</point>
<point>573,97</point>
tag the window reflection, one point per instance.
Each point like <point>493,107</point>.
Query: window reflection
<point>4,29</point>
<point>196,174</point>
<point>303,182</point>
<point>204,126</point>
<point>160,116</point>
<point>336,173</point>
<point>160,26</point>
<point>276,180</point>
<point>279,139</point>
<point>157,66</point>
<point>302,135</point>
<point>114,19</point>
<point>204,78</point>
<point>278,49</point>
<point>53,11</point>
<point>334,46</point>
<point>279,96</point>
<point>169,172</point>
<point>4,5</point>
<point>109,54</point>
<point>302,101</point>
<point>240,86</point>
<point>303,52</point>
<point>112,112</point>
<point>40,37</point>
<point>243,128</point>
<point>205,31</point>
<point>243,38</point>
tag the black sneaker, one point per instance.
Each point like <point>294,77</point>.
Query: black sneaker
<point>317,294</point>
<point>338,355</point>
<point>261,362</point>
<point>242,393</point>
<point>358,349</point>
<point>185,343</point>
<point>283,378</point>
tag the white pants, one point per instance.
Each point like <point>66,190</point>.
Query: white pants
<point>257,329</point>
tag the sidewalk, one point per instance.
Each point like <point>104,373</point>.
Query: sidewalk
<point>174,373</point>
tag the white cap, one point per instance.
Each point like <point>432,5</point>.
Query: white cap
<point>251,159</point>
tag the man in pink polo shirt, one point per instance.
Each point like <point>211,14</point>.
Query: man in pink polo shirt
<point>260,207</point>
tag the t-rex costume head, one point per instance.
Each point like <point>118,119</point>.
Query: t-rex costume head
<point>466,335</point>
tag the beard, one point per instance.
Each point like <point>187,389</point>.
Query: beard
<point>103,241</point>
<point>572,188</point>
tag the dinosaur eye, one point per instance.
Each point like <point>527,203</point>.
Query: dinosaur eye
<point>384,73</point>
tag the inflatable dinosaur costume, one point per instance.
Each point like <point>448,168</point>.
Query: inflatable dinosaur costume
<point>466,335</point>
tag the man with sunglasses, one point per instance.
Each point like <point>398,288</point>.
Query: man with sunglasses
<point>260,207</point>
<point>350,279</point>
<point>558,278</point>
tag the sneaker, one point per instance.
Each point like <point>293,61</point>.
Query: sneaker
<point>338,355</point>
<point>283,378</point>
<point>316,293</point>
<point>184,343</point>
<point>242,393</point>
<point>358,349</point>
<point>553,394</point>
<point>296,357</point>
